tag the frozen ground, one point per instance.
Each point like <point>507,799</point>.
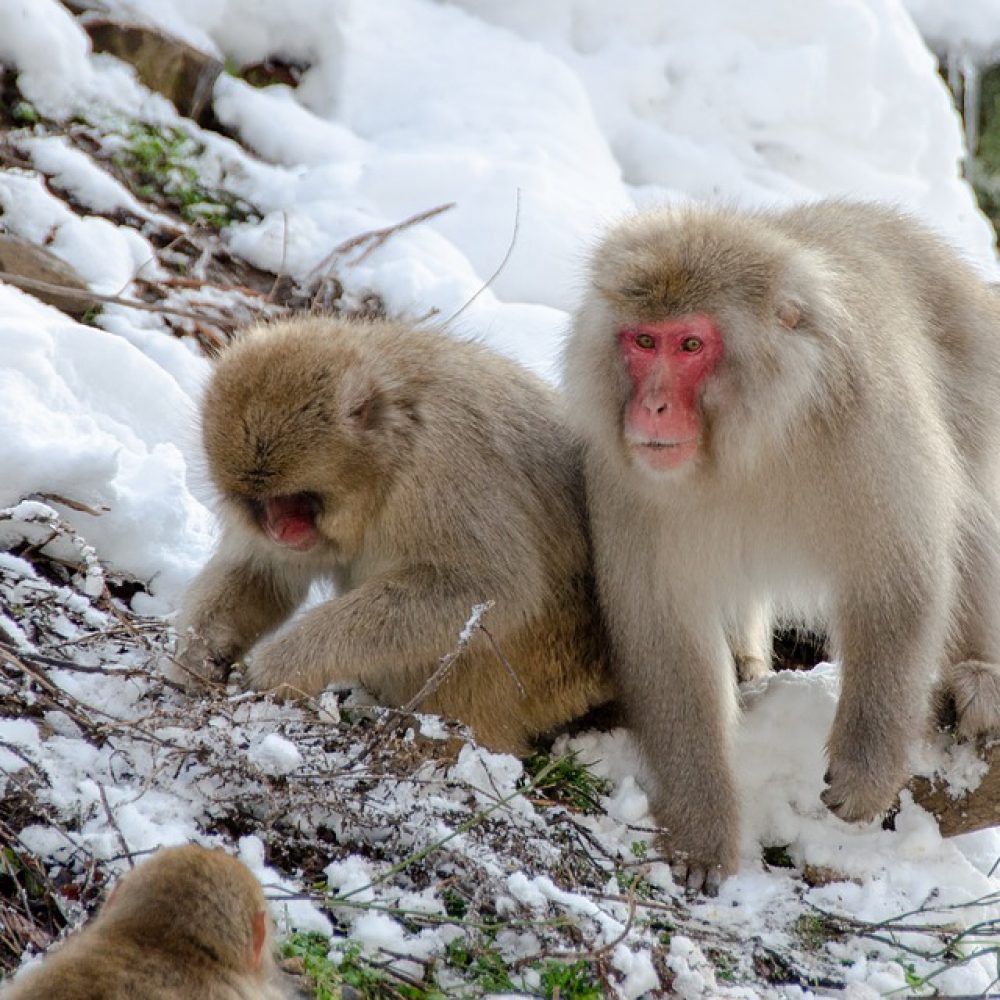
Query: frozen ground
<point>577,111</point>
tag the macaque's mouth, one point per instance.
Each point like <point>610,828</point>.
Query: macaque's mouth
<point>290,520</point>
<point>658,445</point>
<point>663,456</point>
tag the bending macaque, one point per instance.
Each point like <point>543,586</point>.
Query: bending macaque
<point>797,410</point>
<point>188,924</point>
<point>423,475</point>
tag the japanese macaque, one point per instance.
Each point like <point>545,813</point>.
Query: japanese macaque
<point>424,476</point>
<point>798,412</point>
<point>188,924</point>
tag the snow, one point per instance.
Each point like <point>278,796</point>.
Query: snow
<point>970,29</point>
<point>542,120</point>
<point>275,755</point>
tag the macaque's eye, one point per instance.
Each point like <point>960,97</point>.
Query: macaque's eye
<point>645,341</point>
<point>692,345</point>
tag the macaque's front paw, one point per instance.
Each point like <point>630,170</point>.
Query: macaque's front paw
<point>275,668</point>
<point>863,784</point>
<point>969,697</point>
<point>200,658</point>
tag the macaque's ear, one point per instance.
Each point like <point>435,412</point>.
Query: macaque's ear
<point>362,400</point>
<point>112,895</point>
<point>789,314</point>
<point>259,937</point>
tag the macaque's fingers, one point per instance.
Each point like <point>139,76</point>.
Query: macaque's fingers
<point>858,791</point>
<point>200,660</point>
<point>695,875</point>
<point>279,667</point>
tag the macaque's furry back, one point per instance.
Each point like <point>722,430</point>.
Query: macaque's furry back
<point>188,924</point>
<point>424,476</point>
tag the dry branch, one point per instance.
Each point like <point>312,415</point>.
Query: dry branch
<point>34,284</point>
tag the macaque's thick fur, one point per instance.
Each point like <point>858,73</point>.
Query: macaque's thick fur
<point>847,467</point>
<point>444,476</point>
<point>188,924</point>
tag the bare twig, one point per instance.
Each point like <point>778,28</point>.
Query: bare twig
<point>378,237</point>
<point>499,269</point>
<point>374,238</point>
<point>284,257</point>
<point>503,659</point>
<point>76,505</point>
<point>437,678</point>
<point>113,820</point>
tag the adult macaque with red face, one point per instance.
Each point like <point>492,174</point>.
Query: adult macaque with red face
<point>798,411</point>
<point>423,476</point>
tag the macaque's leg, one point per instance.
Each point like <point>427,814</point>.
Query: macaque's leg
<point>890,638</point>
<point>372,631</point>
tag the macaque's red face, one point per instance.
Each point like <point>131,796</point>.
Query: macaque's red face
<point>667,363</point>
<point>290,520</point>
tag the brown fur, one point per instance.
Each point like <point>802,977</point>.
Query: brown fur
<point>178,927</point>
<point>847,468</point>
<point>446,478</point>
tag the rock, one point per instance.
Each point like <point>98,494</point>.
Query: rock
<point>975,810</point>
<point>35,264</point>
<point>181,73</point>
<point>817,875</point>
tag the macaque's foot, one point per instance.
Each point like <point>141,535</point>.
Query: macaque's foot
<point>858,790</point>
<point>701,869</point>
<point>696,876</point>
<point>751,668</point>
<point>969,696</point>
<point>275,667</point>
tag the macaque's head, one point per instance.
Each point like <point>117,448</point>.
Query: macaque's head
<point>302,432</point>
<point>698,342</point>
<point>193,899</point>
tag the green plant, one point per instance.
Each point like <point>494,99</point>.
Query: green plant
<point>161,162</point>
<point>567,781</point>
<point>814,930</point>
<point>24,113</point>
<point>569,981</point>
<point>777,856</point>
<point>482,966</point>
<point>455,904</point>
<point>330,975</point>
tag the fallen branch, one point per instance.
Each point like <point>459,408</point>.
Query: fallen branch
<point>36,284</point>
